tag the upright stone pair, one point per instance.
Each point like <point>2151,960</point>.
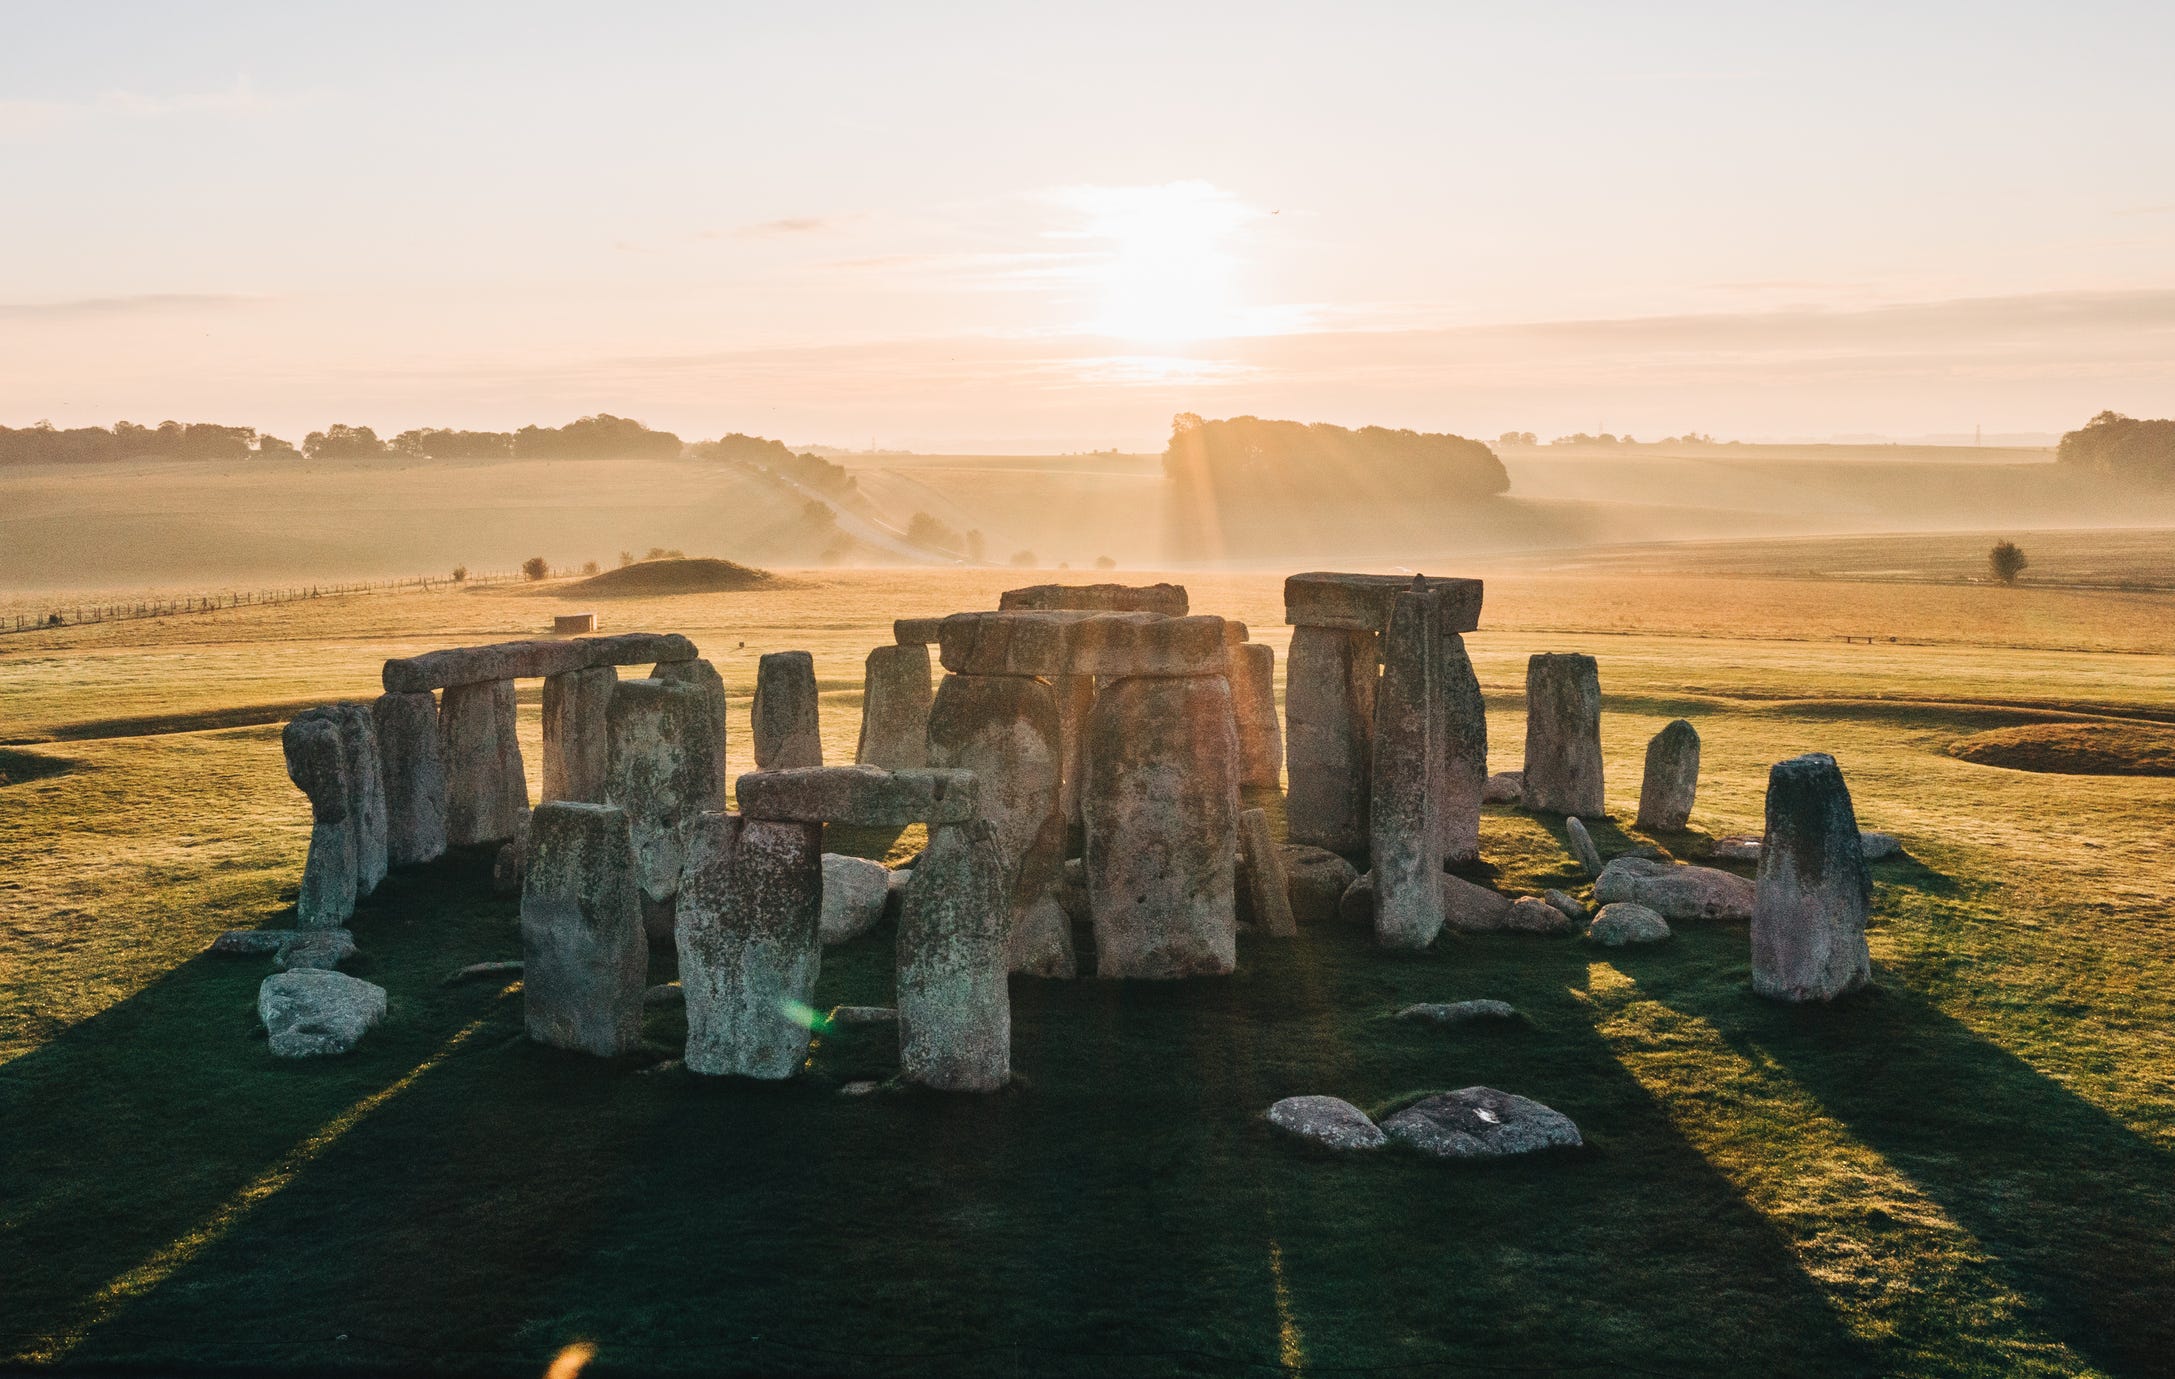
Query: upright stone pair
<point>332,756</point>
<point>750,940</point>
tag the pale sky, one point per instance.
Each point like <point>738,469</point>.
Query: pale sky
<point>1051,227</point>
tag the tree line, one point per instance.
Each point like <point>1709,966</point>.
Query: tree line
<point>602,436</point>
<point>2120,447</point>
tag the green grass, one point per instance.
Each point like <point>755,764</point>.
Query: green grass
<point>1970,1170</point>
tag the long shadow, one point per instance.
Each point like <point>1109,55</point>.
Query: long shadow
<point>2077,1209</point>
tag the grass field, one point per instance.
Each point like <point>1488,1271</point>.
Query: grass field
<point>1970,1170</point>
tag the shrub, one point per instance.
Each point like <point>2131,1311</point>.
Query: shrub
<point>535,567</point>
<point>589,567</point>
<point>460,574</point>
<point>2007,560</point>
<point>1104,562</point>
<point>626,558</point>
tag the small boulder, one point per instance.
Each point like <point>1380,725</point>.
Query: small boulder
<point>1458,1012</point>
<point>315,1014</point>
<point>315,948</point>
<point>1481,1123</point>
<point>1582,846</point>
<point>1473,909</point>
<point>1568,903</point>
<point>1626,922</point>
<point>1504,787</point>
<point>854,892</point>
<point>865,1015</point>
<point>1529,914</point>
<point>1318,879</point>
<point>251,943</point>
<point>1878,847</point>
<point>1327,1121</point>
<point>1041,945</point>
<point>1675,891</point>
<point>1737,847</point>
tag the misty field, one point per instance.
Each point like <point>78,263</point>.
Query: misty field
<point>1968,1170</point>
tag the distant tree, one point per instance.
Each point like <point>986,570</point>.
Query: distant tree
<point>1024,559</point>
<point>2007,561</point>
<point>342,442</point>
<point>2122,447</point>
<point>1516,438</point>
<point>1104,562</point>
<point>626,558</point>
<point>535,567</point>
<point>589,567</point>
<point>923,529</point>
<point>460,574</point>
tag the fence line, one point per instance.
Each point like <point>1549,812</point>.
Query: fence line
<point>79,615</point>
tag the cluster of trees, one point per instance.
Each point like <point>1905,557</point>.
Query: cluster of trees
<point>45,443</point>
<point>774,457</point>
<point>600,437</point>
<point>1528,438</point>
<point>1252,485</point>
<point>2121,447</point>
<point>925,530</point>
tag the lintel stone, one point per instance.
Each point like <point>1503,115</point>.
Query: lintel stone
<point>1167,599</point>
<point>1116,645</point>
<point>1361,603</point>
<point>475,665</point>
<point>859,796</point>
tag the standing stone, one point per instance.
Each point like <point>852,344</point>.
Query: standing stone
<point>1813,891</point>
<point>1405,836</point>
<point>1563,734</point>
<point>1671,780</point>
<point>1161,807</point>
<point>365,788</point>
<point>1004,728</point>
<point>1268,888</point>
<point>1582,845</point>
<point>1463,754</point>
<point>412,766</point>
<point>955,1013</point>
<point>317,764</point>
<point>750,944</point>
<point>896,692</point>
<point>1075,700</point>
<point>703,676</point>
<point>663,771</point>
<point>585,965</point>
<point>1253,700</point>
<point>577,739</point>
<point>487,788</point>
<point>786,725</point>
<point>1329,689</point>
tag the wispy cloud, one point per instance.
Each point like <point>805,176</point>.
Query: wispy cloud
<point>139,304</point>
<point>30,116</point>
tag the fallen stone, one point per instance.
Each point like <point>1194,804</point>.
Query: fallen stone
<point>1530,914</point>
<point>584,951</point>
<point>1101,644</point>
<point>412,766</point>
<point>853,896</point>
<point>1459,1012</point>
<point>1253,700</point>
<point>312,1013</point>
<point>1318,879</point>
<point>861,796</point>
<point>577,733</point>
<point>751,945</point>
<point>475,665</point>
<point>1671,780</point>
<point>1673,890</point>
<point>1261,870</point>
<point>1004,729</point>
<point>1567,903</point>
<point>1166,599</point>
<point>500,967</point>
<point>864,1015</point>
<point>1404,840</point>
<point>1504,787</point>
<point>1327,1121</point>
<point>787,731</point>
<point>955,1012</point>
<point>487,786</point>
<point>1582,845</point>
<point>1563,735</point>
<point>1329,692</point>
<point>1472,909</point>
<point>315,948</point>
<point>1624,921</point>
<point>664,773</point>
<point>1813,892</point>
<point>897,688</point>
<point>1481,1123</point>
<point>255,943</point>
<point>1361,603</point>
<point>1878,847</point>
<point>1161,805</point>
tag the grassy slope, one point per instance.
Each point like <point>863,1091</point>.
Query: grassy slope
<point>1967,1172</point>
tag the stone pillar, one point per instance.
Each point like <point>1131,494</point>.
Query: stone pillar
<point>1405,835</point>
<point>1161,807</point>
<point>896,690</point>
<point>317,764</point>
<point>1253,701</point>
<point>584,962</point>
<point>703,676</point>
<point>577,740</point>
<point>1463,751</point>
<point>1004,728</point>
<point>955,1013</point>
<point>663,770</point>
<point>365,788</point>
<point>750,944</point>
<point>1812,894</point>
<point>412,765</point>
<point>1671,779</point>
<point>487,789</point>
<point>786,725</point>
<point>1329,687</point>
<point>1563,735</point>
<point>1075,700</point>
<point>1268,886</point>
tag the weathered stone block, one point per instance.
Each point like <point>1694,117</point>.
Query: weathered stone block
<point>1813,892</point>
<point>955,1013</point>
<point>1268,889</point>
<point>751,944</point>
<point>1101,644</point>
<point>1404,834</point>
<point>1005,730</point>
<point>703,676</point>
<point>317,1013</point>
<point>1361,603</point>
<point>1253,702</point>
<point>1671,780</point>
<point>487,787</point>
<point>854,891</point>
<point>917,631</point>
<point>861,796</point>
<point>896,691</point>
<point>1463,756</point>
<point>585,964</point>
<point>787,732</point>
<point>1166,599</point>
<point>1329,690</point>
<point>1563,734</point>
<point>477,665</point>
<point>663,772</point>
<point>577,737</point>
<point>317,764</point>
<point>412,764</point>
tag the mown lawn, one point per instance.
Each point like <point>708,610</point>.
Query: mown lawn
<point>1970,1170</point>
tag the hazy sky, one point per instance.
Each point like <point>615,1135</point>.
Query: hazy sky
<point>1055,226</point>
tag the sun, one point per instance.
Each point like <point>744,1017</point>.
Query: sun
<point>1167,270</point>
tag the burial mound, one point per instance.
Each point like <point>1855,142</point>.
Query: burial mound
<point>694,575</point>
<point>2074,749</point>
